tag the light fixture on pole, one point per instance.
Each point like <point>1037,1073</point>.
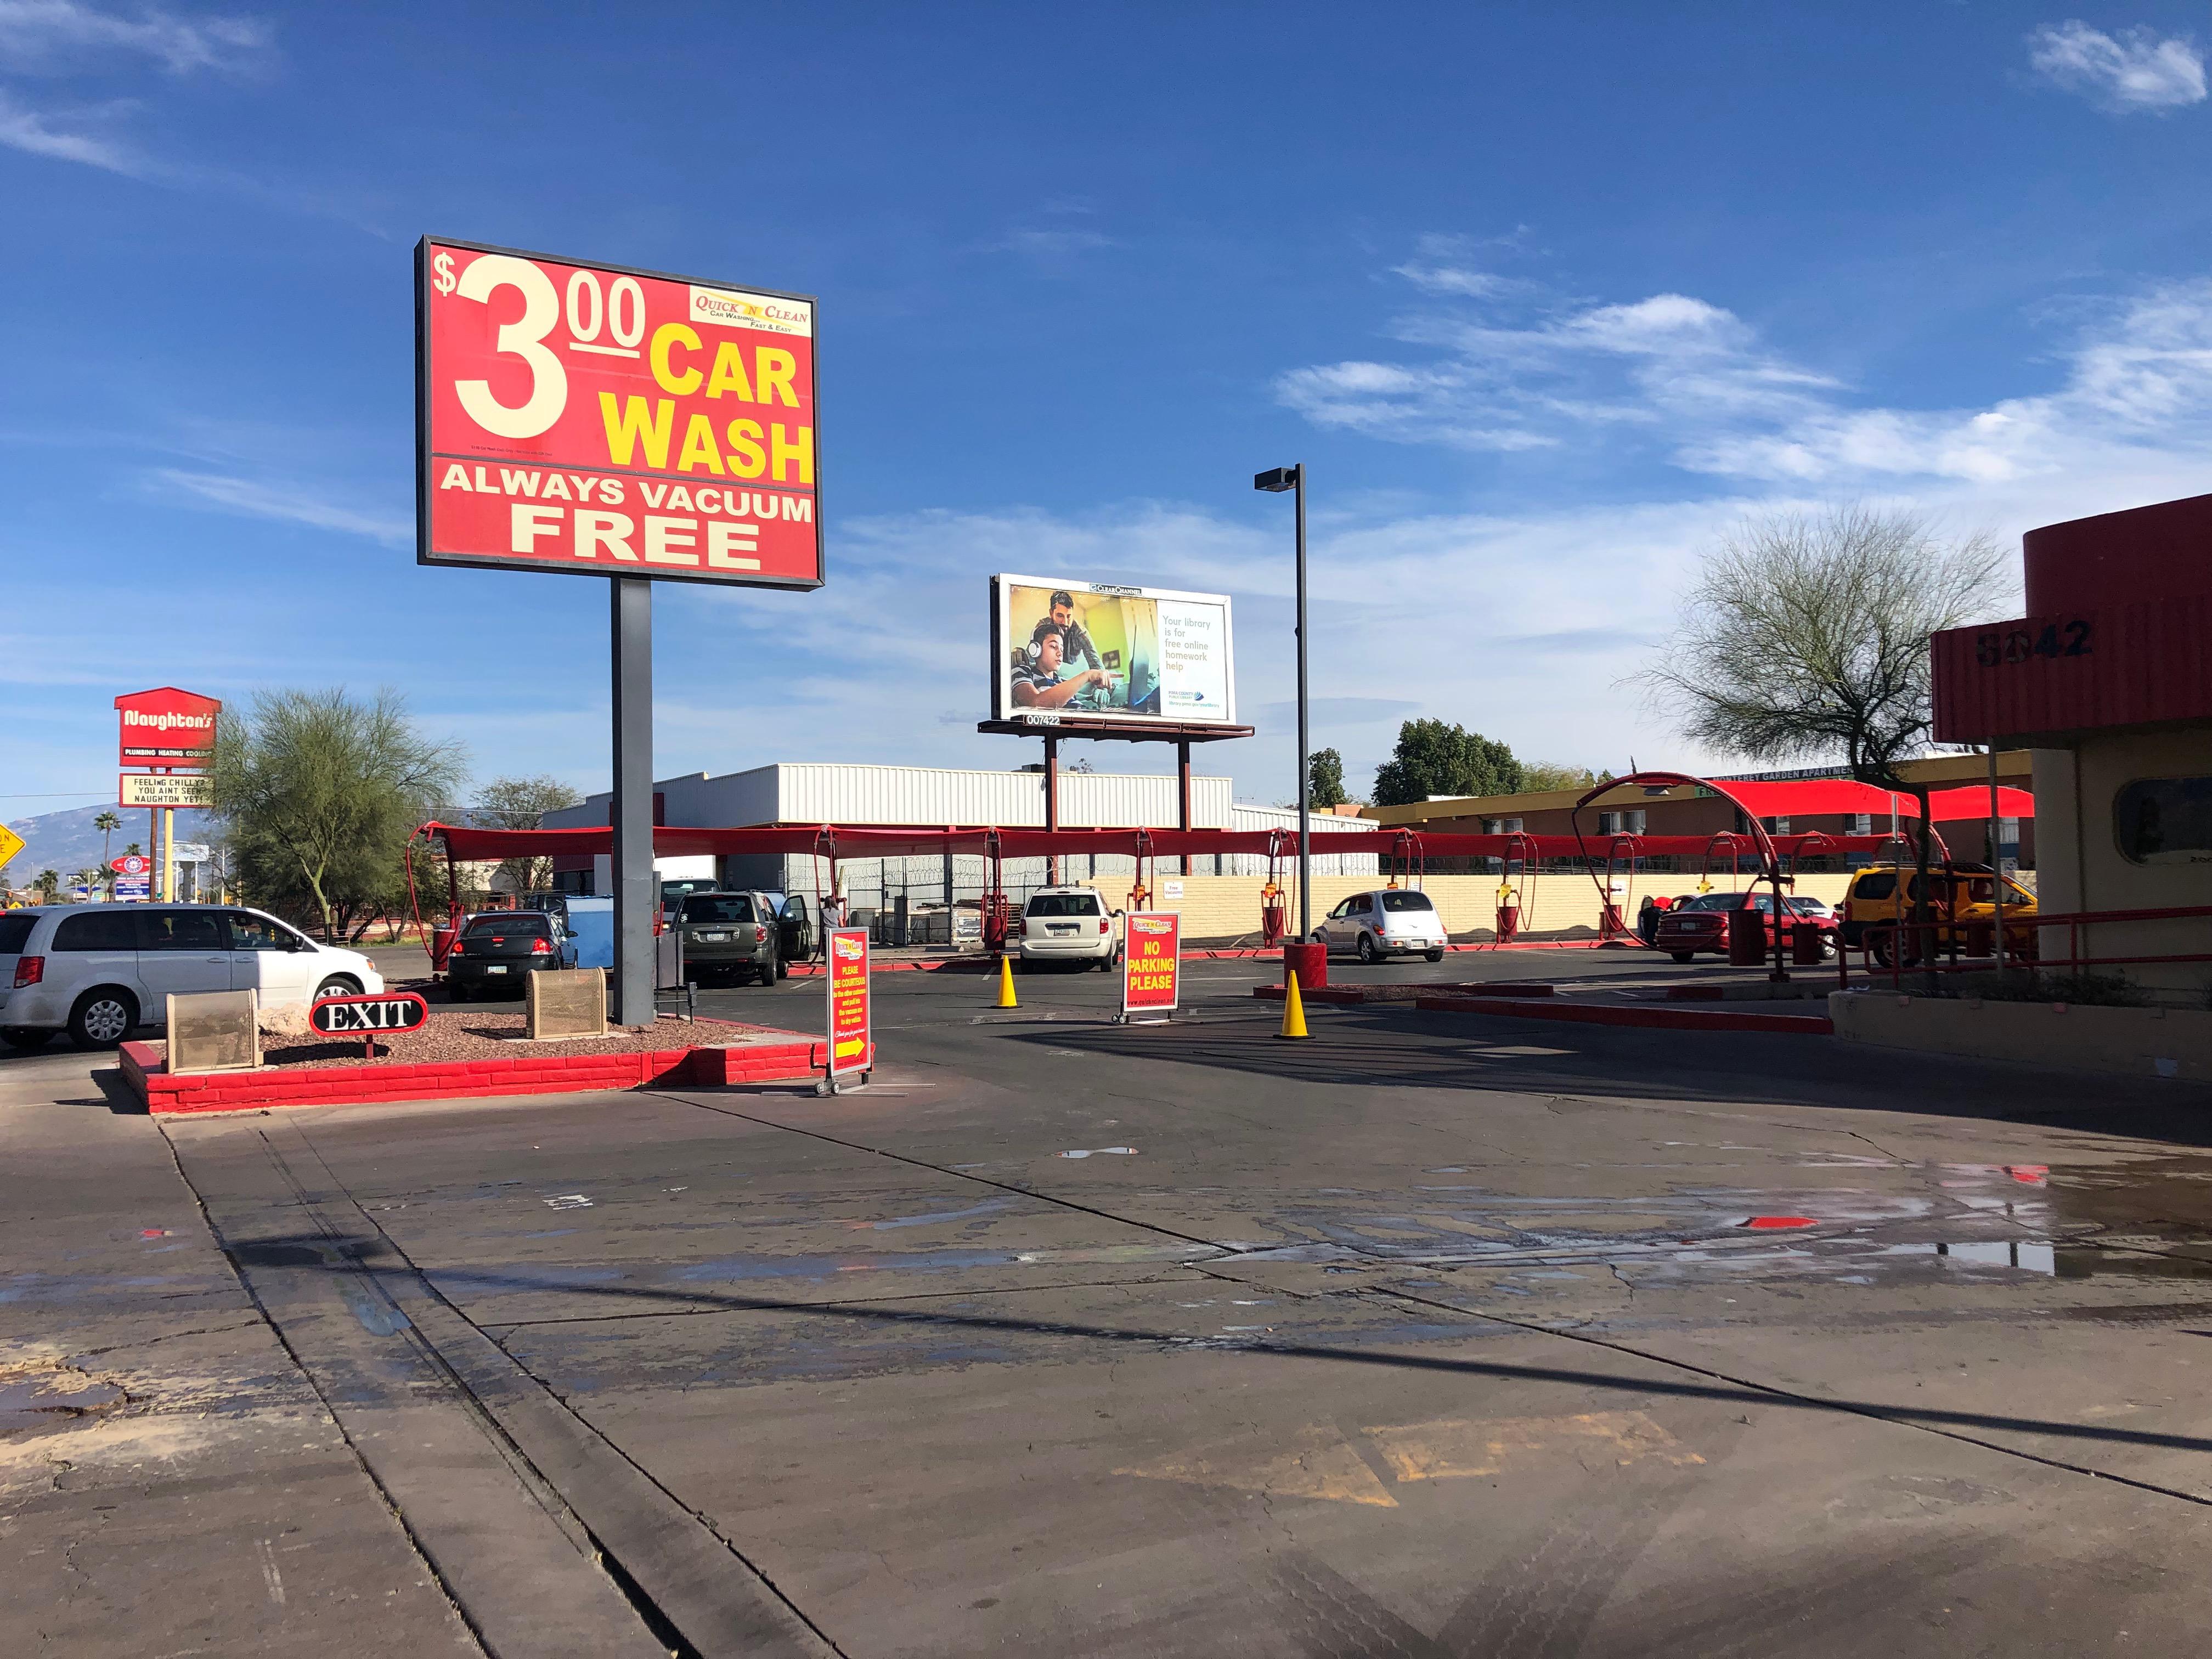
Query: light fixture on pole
<point>1275,481</point>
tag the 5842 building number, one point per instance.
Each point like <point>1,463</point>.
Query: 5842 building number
<point>2001,645</point>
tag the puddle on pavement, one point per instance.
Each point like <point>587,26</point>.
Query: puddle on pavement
<point>2142,1218</point>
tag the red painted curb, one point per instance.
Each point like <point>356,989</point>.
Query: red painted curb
<point>1680,1019</point>
<point>795,1056</point>
<point>1362,993</point>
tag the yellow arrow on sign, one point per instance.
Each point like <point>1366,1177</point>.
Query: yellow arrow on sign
<point>10,844</point>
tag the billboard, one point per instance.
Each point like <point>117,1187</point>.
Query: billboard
<point>1105,651</point>
<point>165,789</point>
<point>166,727</point>
<point>603,421</point>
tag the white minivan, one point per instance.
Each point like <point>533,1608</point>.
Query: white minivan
<point>1066,924</point>
<point>99,971</point>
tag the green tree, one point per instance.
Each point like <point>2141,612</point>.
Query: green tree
<point>47,883</point>
<point>522,804</point>
<point>1435,758</point>
<point>1805,637</point>
<point>1538,776</point>
<point>107,823</point>
<point>1325,779</point>
<point>320,791</point>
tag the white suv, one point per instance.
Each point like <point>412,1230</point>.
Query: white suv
<point>98,971</point>
<point>1066,924</point>
<point>1394,922</point>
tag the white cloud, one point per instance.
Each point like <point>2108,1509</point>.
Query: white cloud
<point>1049,246</point>
<point>1678,378</point>
<point>56,37</point>
<point>37,133</point>
<point>2134,71</point>
<point>288,504</point>
<point>43,35</point>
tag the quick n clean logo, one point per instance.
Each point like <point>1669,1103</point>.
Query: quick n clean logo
<point>729,309</point>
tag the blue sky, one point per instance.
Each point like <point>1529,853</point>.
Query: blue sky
<point>1546,297</point>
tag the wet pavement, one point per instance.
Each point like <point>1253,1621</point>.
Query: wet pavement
<point>1437,1334</point>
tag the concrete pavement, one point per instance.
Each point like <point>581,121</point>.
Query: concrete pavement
<point>1437,1334</point>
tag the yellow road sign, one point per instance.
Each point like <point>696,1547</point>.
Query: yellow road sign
<point>10,844</point>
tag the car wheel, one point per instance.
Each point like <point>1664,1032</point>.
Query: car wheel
<point>337,985</point>
<point>102,1018</point>
<point>25,1039</point>
<point>782,970</point>
<point>1683,956</point>
<point>1366,949</point>
<point>1436,956</point>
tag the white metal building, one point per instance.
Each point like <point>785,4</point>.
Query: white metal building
<point>834,793</point>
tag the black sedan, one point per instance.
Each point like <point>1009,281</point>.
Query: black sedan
<point>496,949</point>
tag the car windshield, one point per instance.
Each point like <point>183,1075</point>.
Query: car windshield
<point>719,907</point>
<point>1712,902</point>
<point>508,927</point>
<point>1807,906</point>
<point>1401,901</point>
<point>1063,904</point>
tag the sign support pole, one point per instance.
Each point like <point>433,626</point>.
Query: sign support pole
<point>631,630</point>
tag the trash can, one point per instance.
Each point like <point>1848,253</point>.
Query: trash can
<point>1309,962</point>
<point>1747,938</point>
<point>1808,945</point>
<point>1509,923</point>
<point>442,946</point>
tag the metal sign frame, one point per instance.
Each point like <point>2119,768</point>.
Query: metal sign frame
<point>850,1046</point>
<point>1163,1012</point>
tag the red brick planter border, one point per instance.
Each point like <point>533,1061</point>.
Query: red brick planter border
<point>776,1058</point>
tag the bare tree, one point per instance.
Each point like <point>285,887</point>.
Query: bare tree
<point>1805,637</point>
<point>522,804</point>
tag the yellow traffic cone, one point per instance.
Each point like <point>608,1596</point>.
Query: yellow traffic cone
<point>1006,983</point>
<point>1294,1011</point>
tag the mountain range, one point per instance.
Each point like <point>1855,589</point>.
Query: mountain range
<point>68,841</point>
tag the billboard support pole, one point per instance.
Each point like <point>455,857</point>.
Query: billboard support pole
<point>1305,769</point>
<point>631,633</point>
<point>1183,792</point>
<point>1052,801</point>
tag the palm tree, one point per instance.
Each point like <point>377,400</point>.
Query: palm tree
<point>47,882</point>
<point>107,823</point>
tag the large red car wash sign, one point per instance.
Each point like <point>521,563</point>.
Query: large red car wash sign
<point>615,422</point>
<point>166,727</point>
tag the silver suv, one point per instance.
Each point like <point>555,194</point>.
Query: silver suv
<point>98,971</point>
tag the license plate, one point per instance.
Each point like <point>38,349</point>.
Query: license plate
<point>714,939</point>
<point>1058,932</point>
<point>494,970</point>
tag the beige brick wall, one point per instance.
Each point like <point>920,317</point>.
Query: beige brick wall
<point>1223,908</point>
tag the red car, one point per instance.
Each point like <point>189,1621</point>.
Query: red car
<point>1700,923</point>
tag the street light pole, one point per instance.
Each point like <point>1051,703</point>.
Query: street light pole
<point>1275,481</point>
